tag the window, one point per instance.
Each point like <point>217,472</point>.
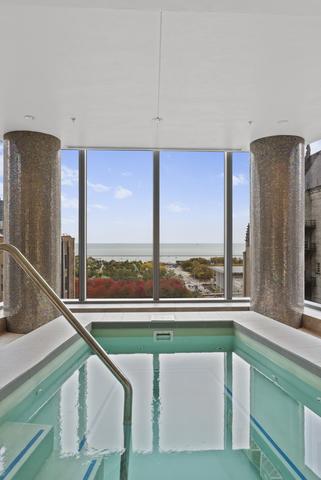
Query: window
<point>152,224</point>
<point>192,224</point>
<point>1,221</point>
<point>69,223</point>
<point>120,224</point>
<point>241,220</point>
<point>312,246</point>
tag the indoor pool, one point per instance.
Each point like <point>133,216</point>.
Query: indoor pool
<point>208,403</point>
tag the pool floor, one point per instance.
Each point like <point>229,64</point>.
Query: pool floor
<point>204,407</point>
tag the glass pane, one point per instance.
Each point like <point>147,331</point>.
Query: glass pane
<point>69,223</point>
<point>312,247</point>
<point>120,228</point>
<point>192,224</point>
<point>241,219</point>
<point>1,220</point>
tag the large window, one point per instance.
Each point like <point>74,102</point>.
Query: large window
<point>120,224</point>
<point>1,221</point>
<point>241,220</point>
<point>154,225</point>
<point>192,224</point>
<point>69,224</point>
<point>312,246</point>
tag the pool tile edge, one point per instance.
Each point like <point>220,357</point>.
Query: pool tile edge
<point>21,359</point>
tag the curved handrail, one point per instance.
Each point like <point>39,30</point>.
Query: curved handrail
<point>28,268</point>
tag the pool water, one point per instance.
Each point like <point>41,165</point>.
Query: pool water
<point>209,403</point>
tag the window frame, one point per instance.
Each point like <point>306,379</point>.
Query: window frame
<point>228,231</point>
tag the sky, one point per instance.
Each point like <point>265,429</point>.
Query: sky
<point>120,196</point>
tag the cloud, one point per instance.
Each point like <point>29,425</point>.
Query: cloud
<point>239,180</point>
<point>68,176</point>
<point>121,192</point>
<point>98,206</point>
<point>69,202</point>
<point>98,187</point>
<point>127,174</point>
<point>177,208</point>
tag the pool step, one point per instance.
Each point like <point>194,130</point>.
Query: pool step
<point>72,468</point>
<point>23,449</point>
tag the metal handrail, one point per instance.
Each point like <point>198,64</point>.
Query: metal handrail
<point>28,268</point>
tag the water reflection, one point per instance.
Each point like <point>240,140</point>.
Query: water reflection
<point>105,404</point>
<point>104,409</point>
<point>241,372</point>
<point>69,418</point>
<point>193,404</point>
<point>312,441</point>
<point>156,401</point>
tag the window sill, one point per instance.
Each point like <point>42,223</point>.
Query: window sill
<point>163,306</point>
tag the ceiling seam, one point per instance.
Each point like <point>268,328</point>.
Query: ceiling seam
<point>159,61</point>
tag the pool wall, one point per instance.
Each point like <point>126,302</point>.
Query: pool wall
<point>23,358</point>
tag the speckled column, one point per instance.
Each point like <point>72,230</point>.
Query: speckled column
<point>32,224</point>
<point>277,228</point>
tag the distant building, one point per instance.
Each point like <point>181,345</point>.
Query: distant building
<point>67,266</point>
<point>237,279</point>
<point>312,247</point>
<point>1,270</point>
<point>1,216</point>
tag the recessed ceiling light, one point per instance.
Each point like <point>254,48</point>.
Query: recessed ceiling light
<point>283,121</point>
<point>29,117</point>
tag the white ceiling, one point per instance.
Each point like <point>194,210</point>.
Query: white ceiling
<point>283,7</point>
<point>220,68</point>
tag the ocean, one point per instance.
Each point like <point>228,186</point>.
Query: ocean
<point>169,252</point>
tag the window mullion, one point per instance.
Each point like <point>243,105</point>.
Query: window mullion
<point>228,226</point>
<point>82,225</point>
<point>156,216</point>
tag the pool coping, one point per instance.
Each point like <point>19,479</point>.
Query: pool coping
<point>22,358</point>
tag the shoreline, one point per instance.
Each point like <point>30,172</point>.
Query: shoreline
<point>169,252</point>
<point>169,260</point>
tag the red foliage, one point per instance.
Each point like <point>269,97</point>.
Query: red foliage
<point>174,288</point>
<point>109,288</point>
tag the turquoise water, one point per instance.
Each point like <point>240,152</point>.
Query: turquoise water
<point>208,404</point>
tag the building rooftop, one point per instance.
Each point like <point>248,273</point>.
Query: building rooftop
<point>236,270</point>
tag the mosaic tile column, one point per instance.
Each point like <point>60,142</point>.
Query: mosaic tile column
<point>277,228</point>
<point>32,224</point>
